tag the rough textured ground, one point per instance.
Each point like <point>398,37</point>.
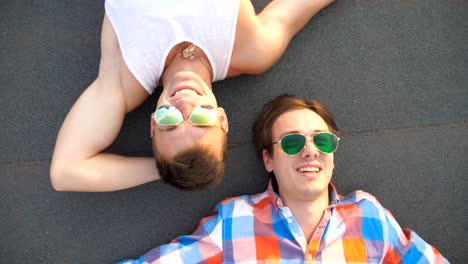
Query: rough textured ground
<point>393,72</point>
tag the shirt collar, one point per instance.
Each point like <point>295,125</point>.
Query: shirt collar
<point>273,196</point>
<point>333,194</point>
<point>275,199</point>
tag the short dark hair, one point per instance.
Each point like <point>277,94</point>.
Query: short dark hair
<point>262,128</point>
<point>196,168</point>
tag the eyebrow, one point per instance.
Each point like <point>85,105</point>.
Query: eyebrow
<point>299,132</point>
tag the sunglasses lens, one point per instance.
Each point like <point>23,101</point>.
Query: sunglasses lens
<point>326,142</point>
<point>204,115</point>
<point>168,115</point>
<point>293,143</point>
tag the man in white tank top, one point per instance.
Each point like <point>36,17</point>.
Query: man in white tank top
<point>183,46</point>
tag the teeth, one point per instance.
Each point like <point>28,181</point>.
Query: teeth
<point>309,169</point>
<point>187,90</point>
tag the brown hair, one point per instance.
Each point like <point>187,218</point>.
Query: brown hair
<point>195,168</point>
<point>262,128</point>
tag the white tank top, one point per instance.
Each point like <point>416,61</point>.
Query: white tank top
<point>147,30</point>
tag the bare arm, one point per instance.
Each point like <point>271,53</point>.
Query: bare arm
<point>93,123</point>
<point>262,39</point>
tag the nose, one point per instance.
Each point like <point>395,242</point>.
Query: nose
<point>310,150</point>
<point>185,106</point>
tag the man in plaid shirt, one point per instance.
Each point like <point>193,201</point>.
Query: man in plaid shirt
<point>300,218</point>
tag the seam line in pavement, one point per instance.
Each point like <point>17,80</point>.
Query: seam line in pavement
<point>242,143</point>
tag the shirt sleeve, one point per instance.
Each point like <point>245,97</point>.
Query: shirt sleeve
<point>203,246</point>
<point>405,246</point>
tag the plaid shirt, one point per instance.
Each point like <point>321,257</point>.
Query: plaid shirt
<point>259,229</point>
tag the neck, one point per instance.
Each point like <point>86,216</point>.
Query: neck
<point>308,213</point>
<point>187,58</point>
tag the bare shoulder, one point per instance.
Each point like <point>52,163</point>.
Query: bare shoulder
<point>114,73</point>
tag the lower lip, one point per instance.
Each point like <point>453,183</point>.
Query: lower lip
<point>310,176</point>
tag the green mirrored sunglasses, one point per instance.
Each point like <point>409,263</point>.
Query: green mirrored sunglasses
<point>294,143</point>
<point>202,115</point>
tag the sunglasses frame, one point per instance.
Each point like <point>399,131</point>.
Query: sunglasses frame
<point>188,120</point>
<point>305,144</point>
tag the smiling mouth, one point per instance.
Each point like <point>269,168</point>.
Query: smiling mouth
<point>186,90</point>
<point>309,170</point>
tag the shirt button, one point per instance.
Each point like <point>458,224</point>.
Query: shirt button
<point>289,220</point>
<point>309,257</point>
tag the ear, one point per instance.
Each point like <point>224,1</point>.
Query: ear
<point>267,161</point>
<point>223,119</point>
<point>152,125</point>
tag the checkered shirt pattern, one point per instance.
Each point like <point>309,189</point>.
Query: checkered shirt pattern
<point>259,229</point>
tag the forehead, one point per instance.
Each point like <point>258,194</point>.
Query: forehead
<point>304,121</point>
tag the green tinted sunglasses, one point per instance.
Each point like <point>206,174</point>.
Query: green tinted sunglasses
<point>294,143</point>
<point>202,115</point>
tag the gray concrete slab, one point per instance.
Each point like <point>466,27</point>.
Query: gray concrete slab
<point>393,72</point>
<point>49,52</point>
<point>417,173</point>
<point>39,225</point>
<point>377,65</point>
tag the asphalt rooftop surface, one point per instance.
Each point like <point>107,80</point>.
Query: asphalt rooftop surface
<point>394,73</point>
